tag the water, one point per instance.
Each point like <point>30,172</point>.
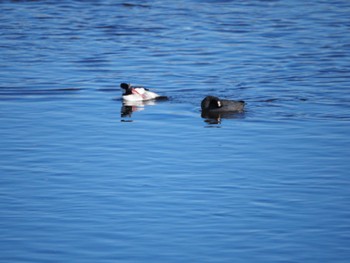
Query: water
<point>81,183</point>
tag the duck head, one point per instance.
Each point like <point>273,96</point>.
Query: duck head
<point>210,103</point>
<point>127,88</point>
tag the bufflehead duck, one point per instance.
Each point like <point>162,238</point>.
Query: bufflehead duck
<point>134,94</point>
<point>211,104</point>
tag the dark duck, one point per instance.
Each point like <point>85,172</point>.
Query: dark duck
<point>213,106</point>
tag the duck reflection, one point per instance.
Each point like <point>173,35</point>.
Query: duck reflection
<point>216,118</point>
<point>130,107</point>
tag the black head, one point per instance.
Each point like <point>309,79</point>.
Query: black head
<point>210,103</point>
<point>125,86</point>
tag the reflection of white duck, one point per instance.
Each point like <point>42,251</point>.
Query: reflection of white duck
<point>132,106</point>
<point>134,94</point>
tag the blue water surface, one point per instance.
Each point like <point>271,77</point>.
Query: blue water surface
<point>82,182</point>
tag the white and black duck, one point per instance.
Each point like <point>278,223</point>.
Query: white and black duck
<point>137,94</point>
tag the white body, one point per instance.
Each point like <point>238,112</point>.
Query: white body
<point>140,94</point>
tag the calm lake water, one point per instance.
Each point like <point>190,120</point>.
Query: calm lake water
<point>81,183</point>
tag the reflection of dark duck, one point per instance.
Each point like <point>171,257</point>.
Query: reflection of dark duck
<point>135,94</point>
<point>211,104</point>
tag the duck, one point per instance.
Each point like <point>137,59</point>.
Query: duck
<point>215,105</point>
<point>137,94</point>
